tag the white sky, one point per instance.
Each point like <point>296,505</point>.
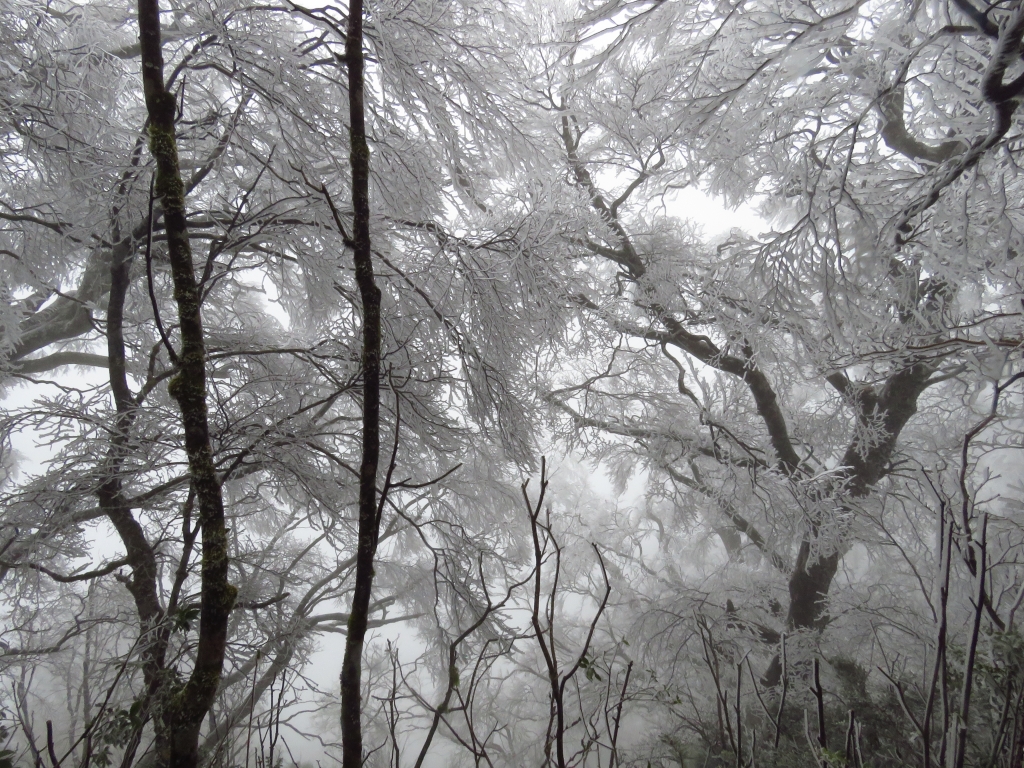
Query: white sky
<point>711,215</point>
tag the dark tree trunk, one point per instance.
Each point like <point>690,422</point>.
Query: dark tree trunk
<point>184,710</point>
<point>153,631</point>
<point>889,407</point>
<point>369,510</point>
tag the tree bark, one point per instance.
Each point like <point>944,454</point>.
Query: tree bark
<point>892,406</point>
<point>184,710</point>
<point>141,557</point>
<point>369,511</point>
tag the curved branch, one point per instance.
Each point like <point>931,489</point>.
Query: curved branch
<point>741,523</point>
<point>895,134</point>
<point>72,578</point>
<point>1001,97</point>
<point>59,359</point>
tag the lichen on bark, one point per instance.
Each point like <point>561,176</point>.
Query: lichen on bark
<point>186,707</point>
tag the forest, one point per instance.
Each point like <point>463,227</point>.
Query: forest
<point>374,393</point>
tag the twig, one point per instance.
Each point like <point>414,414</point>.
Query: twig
<point>782,699</point>
<point>49,745</point>
<point>820,699</point>
<point>618,718</point>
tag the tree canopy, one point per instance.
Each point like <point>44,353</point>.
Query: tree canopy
<point>324,322</point>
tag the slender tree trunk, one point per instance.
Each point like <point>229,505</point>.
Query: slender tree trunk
<point>369,514</point>
<point>141,557</point>
<point>184,711</point>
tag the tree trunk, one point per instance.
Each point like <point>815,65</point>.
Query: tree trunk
<point>143,586</point>
<point>369,511</point>
<point>184,711</point>
<point>896,402</point>
<point>810,581</point>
